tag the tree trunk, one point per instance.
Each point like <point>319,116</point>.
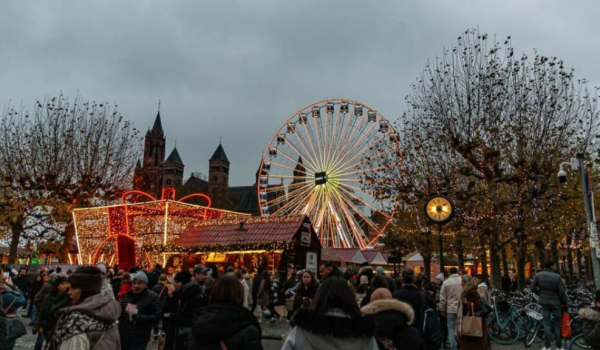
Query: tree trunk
<point>484,264</point>
<point>67,244</point>
<point>504,261</point>
<point>580,275</point>
<point>16,228</point>
<point>541,253</point>
<point>556,256</point>
<point>570,258</point>
<point>521,261</point>
<point>459,252</point>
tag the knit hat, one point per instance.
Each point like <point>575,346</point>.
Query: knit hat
<point>364,279</point>
<point>183,277</point>
<point>87,278</point>
<point>379,270</point>
<point>229,269</point>
<point>440,277</point>
<point>140,276</point>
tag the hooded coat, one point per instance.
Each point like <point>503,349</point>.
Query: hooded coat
<point>591,326</point>
<point>242,331</point>
<point>91,324</point>
<point>333,330</point>
<point>394,325</point>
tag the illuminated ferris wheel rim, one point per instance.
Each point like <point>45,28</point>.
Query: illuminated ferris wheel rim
<point>323,168</point>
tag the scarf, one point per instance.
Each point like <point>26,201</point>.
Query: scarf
<point>76,323</point>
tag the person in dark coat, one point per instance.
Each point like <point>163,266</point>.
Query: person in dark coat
<point>194,297</point>
<point>116,284</point>
<point>553,298</point>
<point>172,310</point>
<point>591,323</point>
<point>161,289</point>
<point>305,290</point>
<point>394,322</point>
<point>23,282</point>
<point>140,310</point>
<point>58,299</point>
<point>255,287</point>
<point>35,288</point>
<point>388,279</point>
<point>154,275</point>
<point>225,323</point>
<point>413,296</point>
<point>377,282</point>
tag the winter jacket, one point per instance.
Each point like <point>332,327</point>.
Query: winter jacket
<point>153,278</point>
<point>246,293</point>
<point>49,312</point>
<point>263,293</point>
<point>550,288</point>
<point>116,285</point>
<point>411,295</point>
<point>161,291</point>
<point>235,326</point>
<point>24,284</point>
<point>17,299</point>
<point>137,329</point>
<point>107,289</point>
<point>91,324</point>
<point>450,293</point>
<point>394,325</point>
<point>591,326</point>
<point>303,292</point>
<point>334,330</point>
<point>193,298</point>
<point>472,306</point>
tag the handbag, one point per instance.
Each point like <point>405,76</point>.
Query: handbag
<point>14,326</point>
<point>565,327</point>
<point>472,325</point>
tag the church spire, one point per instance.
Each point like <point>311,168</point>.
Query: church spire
<point>157,124</point>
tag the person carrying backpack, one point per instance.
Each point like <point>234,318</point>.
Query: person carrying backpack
<point>425,319</point>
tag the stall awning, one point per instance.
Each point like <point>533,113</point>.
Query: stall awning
<point>350,255</point>
<point>374,257</point>
<point>328,254</point>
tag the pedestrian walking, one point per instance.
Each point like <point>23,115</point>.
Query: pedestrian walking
<point>23,282</point>
<point>591,323</point>
<point>394,322</point>
<point>470,303</point>
<point>35,288</point>
<point>449,299</point>
<point>56,300</point>
<point>90,323</point>
<point>361,290</point>
<point>332,321</point>
<point>255,287</point>
<point>550,288</point>
<point>11,299</point>
<point>413,296</point>
<point>226,323</point>
<point>172,311</point>
<point>305,291</point>
<point>274,299</point>
<point>264,290</point>
<point>195,296</point>
<point>388,279</point>
<point>377,282</point>
<point>482,287</point>
<point>140,310</point>
<point>240,276</point>
<point>161,289</point>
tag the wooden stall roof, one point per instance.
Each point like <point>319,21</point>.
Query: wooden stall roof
<point>259,230</point>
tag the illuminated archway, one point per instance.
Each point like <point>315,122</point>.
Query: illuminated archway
<point>115,237</point>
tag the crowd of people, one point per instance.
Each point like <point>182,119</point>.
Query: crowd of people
<point>99,307</point>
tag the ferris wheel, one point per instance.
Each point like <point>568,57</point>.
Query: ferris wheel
<point>327,161</point>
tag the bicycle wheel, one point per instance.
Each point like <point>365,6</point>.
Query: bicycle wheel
<point>503,330</point>
<point>531,334</point>
<point>525,325</point>
<point>577,342</point>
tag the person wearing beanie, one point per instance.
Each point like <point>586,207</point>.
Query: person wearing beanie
<point>173,309</point>
<point>91,320</point>
<point>388,279</point>
<point>362,289</point>
<point>140,310</point>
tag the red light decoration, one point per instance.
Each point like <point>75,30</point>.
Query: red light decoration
<point>119,233</point>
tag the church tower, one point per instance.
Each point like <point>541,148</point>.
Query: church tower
<point>173,170</point>
<point>218,169</point>
<point>148,173</point>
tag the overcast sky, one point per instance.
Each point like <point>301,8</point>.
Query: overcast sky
<point>239,69</point>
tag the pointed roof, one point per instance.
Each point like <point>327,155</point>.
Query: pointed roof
<point>174,158</point>
<point>157,124</point>
<point>138,164</point>
<point>219,154</point>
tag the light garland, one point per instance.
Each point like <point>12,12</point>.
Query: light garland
<point>219,248</point>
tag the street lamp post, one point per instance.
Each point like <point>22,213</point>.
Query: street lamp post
<point>588,202</point>
<point>440,210</point>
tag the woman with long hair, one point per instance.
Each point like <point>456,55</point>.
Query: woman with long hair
<point>306,290</point>
<point>264,290</point>
<point>226,323</point>
<point>58,299</point>
<point>469,303</point>
<point>332,321</point>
